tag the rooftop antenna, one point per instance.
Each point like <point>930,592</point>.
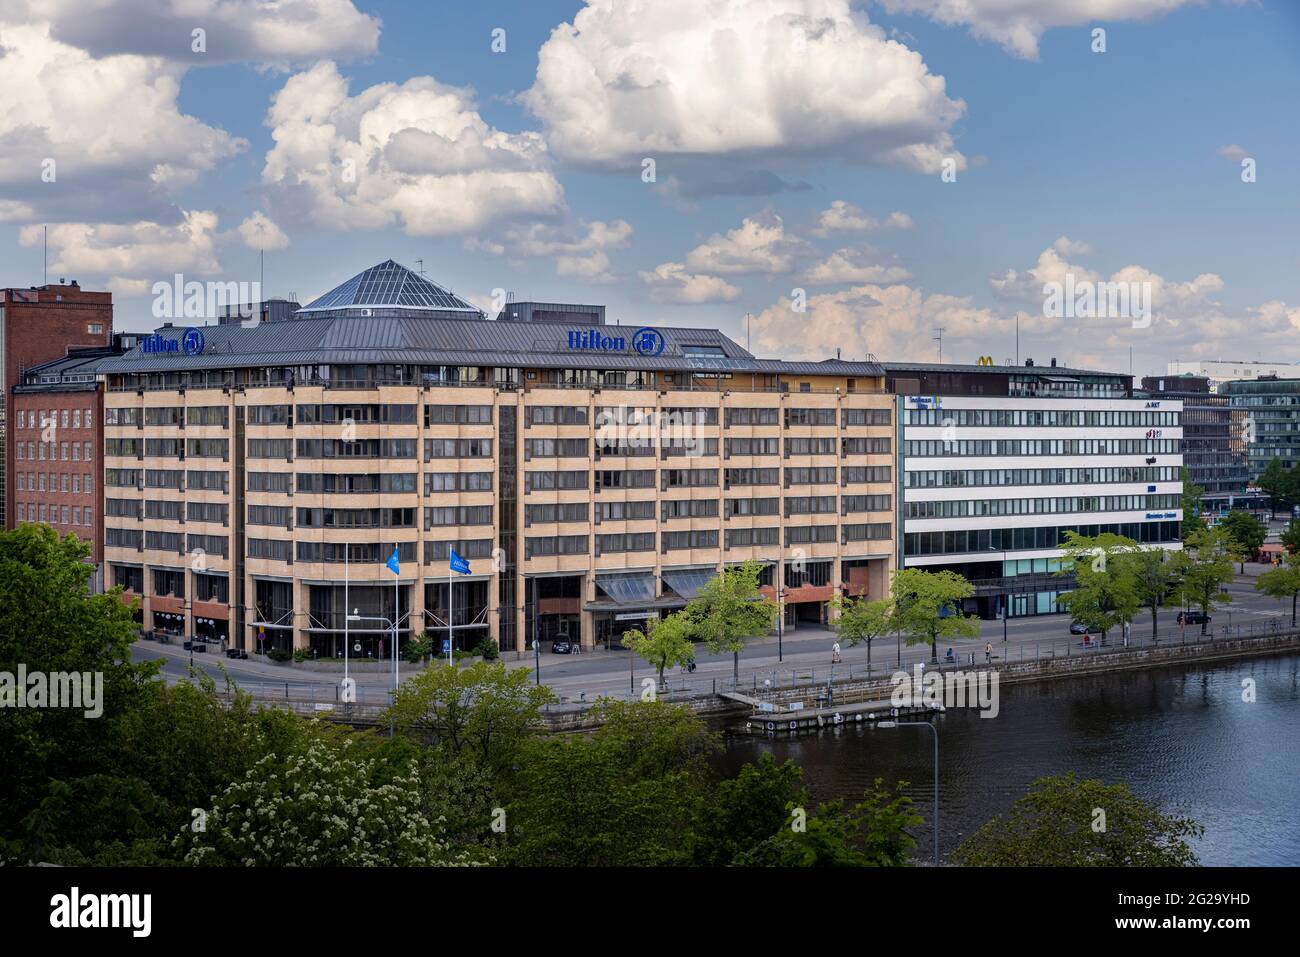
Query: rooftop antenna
<point>1017,338</point>
<point>748,316</point>
<point>46,280</point>
<point>420,263</point>
<point>939,339</point>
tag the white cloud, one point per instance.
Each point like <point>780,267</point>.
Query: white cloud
<point>841,216</point>
<point>855,266</point>
<point>891,322</point>
<point>1069,247</point>
<point>1019,24</point>
<point>110,131</point>
<point>417,155</point>
<point>249,30</point>
<point>758,81</point>
<point>258,232</point>
<point>1233,152</point>
<point>578,255</point>
<point>759,244</point>
<point>134,252</point>
<point>671,283</point>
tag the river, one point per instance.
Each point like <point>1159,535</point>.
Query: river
<point>1181,737</point>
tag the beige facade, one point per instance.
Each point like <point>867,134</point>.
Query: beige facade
<point>806,485</point>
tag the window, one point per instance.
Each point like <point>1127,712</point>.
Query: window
<point>167,581</point>
<point>563,512</point>
<point>705,538</point>
<point>629,542</point>
<point>95,328</point>
<point>458,415</point>
<point>626,511</point>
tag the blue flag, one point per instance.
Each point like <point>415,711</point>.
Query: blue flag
<point>458,563</point>
<point>393,565</point>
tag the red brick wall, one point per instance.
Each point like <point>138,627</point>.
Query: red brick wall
<point>30,409</point>
<point>36,332</point>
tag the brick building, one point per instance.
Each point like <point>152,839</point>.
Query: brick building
<point>38,325</point>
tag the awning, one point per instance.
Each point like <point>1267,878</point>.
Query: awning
<point>637,588</point>
<point>687,582</point>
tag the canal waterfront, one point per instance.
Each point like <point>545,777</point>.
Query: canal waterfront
<point>1181,737</point>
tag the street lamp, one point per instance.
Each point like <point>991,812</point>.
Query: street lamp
<point>935,813</point>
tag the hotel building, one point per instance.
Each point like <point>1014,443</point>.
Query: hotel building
<point>258,478</point>
<point>997,463</point>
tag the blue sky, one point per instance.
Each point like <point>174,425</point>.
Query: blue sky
<point>1133,154</point>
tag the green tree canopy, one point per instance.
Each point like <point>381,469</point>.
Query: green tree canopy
<point>1192,495</point>
<point>1245,534</point>
<point>1201,569</point>
<point>485,709</point>
<point>1105,593</point>
<point>927,607</point>
<point>871,833</point>
<point>666,642</point>
<point>1282,582</point>
<point>1066,822</point>
<point>728,609</point>
<point>1276,482</point>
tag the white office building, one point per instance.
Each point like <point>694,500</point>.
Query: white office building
<point>997,463</point>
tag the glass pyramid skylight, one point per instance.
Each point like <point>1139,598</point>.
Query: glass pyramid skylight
<point>389,285</point>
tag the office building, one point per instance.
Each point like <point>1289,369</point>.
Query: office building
<point>1272,409</point>
<point>997,463</point>
<point>257,480</point>
<point>1219,371</point>
<point>1214,433</point>
<point>37,325</point>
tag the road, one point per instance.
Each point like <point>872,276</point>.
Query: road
<point>805,654</point>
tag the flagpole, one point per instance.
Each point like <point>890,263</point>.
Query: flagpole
<point>451,636</point>
<point>346,611</point>
<point>397,603</point>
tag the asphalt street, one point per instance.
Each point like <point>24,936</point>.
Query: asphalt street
<point>803,655</point>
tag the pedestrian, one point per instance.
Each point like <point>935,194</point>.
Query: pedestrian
<point>988,652</point>
<point>835,653</point>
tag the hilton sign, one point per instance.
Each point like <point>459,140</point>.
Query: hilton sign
<point>645,341</point>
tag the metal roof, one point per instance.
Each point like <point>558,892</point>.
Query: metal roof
<point>431,341</point>
<point>389,285</point>
<point>892,367</point>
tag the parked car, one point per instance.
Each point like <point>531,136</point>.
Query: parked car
<point>1079,628</point>
<point>1193,618</point>
<point>561,646</point>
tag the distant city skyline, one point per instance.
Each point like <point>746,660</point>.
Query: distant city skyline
<point>852,176</point>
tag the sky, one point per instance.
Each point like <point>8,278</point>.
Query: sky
<point>812,177</point>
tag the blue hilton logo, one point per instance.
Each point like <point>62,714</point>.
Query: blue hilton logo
<point>191,343</point>
<point>593,340</point>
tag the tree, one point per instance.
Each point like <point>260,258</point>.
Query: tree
<point>728,609</point>
<point>1065,822</point>
<point>50,623</point>
<point>1105,594</point>
<point>859,620</point>
<point>1290,537</point>
<point>666,642</point>
<point>486,709</point>
<point>625,795</point>
<point>872,833</point>
<point>927,607</point>
<point>1202,568</point>
<point>1192,495</point>
<point>746,810</point>
<point>1282,582</point>
<point>321,807</point>
<point>1152,577</point>
<point>1245,534</point>
<point>1275,481</point>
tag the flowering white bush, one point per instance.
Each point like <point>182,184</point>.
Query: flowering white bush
<point>319,808</point>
